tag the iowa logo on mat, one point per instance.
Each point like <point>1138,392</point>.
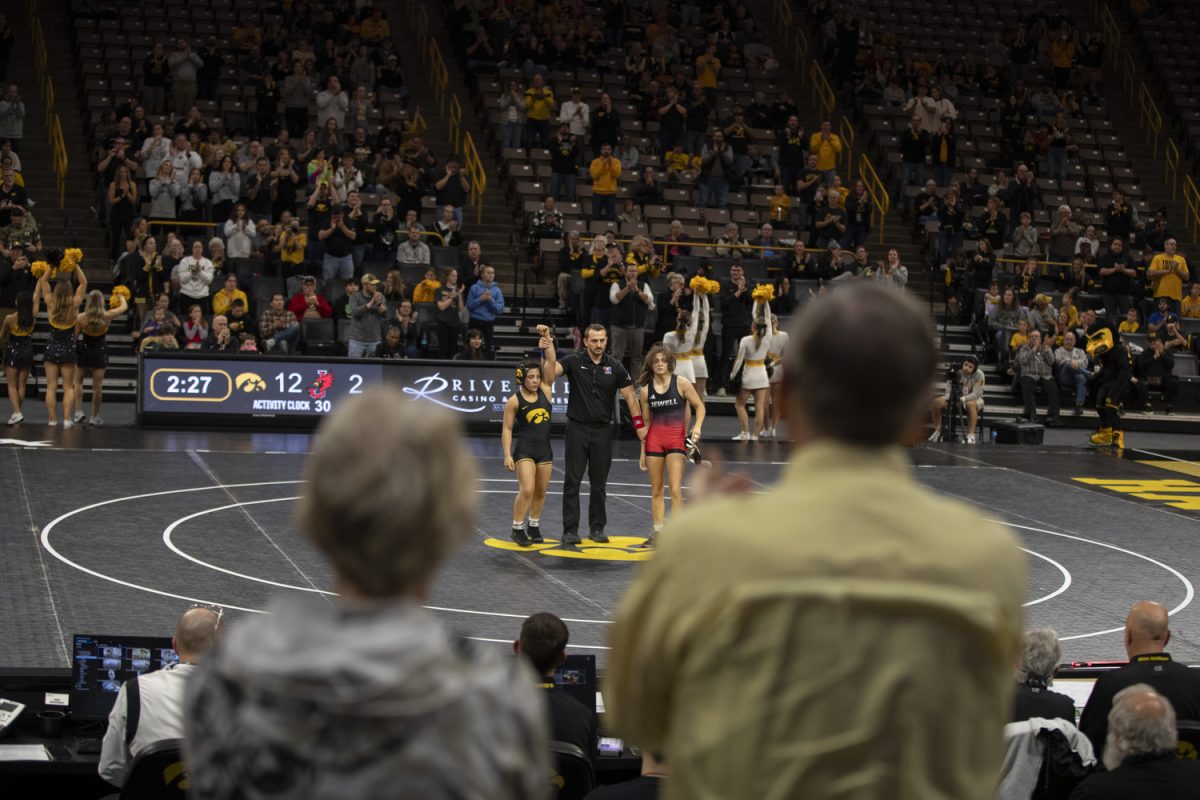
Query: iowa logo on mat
<point>619,548</point>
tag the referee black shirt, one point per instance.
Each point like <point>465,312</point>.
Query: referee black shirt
<point>593,387</point>
<point>1177,682</point>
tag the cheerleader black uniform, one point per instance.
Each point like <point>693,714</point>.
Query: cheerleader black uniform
<point>531,429</point>
<point>666,434</point>
<point>92,351</point>
<point>19,353</point>
<point>60,347</point>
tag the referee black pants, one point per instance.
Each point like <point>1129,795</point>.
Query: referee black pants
<point>589,446</point>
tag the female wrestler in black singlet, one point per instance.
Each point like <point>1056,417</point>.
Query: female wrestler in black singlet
<point>18,355</point>
<point>62,305</point>
<point>92,350</point>
<point>527,414</point>
<point>665,398</point>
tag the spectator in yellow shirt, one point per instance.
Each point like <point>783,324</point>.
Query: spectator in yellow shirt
<point>1062,56</point>
<point>1020,338</point>
<point>426,290</point>
<point>1130,323</point>
<point>539,105</point>
<point>708,67</point>
<point>374,29</point>
<point>677,159</point>
<point>225,296</point>
<point>781,205</point>
<point>826,146</point>
<point>1169,270</point>
<point>605,171</point>
<point>1191,303</point>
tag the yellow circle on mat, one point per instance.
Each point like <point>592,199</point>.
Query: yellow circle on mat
<point>618,548</point>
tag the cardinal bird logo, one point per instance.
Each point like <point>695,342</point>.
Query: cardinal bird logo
<point>321,385</point>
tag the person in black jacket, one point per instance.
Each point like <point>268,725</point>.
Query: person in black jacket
<point>1155,369</point>
<point>914,145</point>
<point>735,317</point>
<point>1146,637</point>
<point>1040,655</point>
<point>543,643</point>
<point>1139,752</point>
<point>564,164</point>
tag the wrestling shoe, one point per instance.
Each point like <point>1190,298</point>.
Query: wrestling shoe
<point>598,537</point>
<point>691,451</point>
<point>650,543</point>
<point>1101,438</point>
<point>571,539</point>
<point>535,534</point>
<point>16,419</point>
<point>518,536</point>
<point>77,417</point>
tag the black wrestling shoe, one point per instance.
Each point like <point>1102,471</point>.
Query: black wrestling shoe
<point>571,539</point>
<point>598,537</point>
<point>518,536</point>
<point>535,534</point>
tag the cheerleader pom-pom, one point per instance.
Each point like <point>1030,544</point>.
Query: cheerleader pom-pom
<point>73,253</point>
<point>714,287</point>
<point>698,284</point>
<point>39,268</point>
<point>763,293</point>
<point>119,292</point>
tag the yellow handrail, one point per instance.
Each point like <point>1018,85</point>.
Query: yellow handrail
<point>438,74</point>
<point>455,121</point>
<point>880,198</point>
<point>1171,172</point>
<point>48,99</point>
<point>1111,31</point>
<point>477,174</point>
<point>846,131</point>
<point>801,60</point>
<point>59,151</point>
<point>1129,76</point>
<point>1149,117</point>
<point>1191,200</point>
<point>822,92</point>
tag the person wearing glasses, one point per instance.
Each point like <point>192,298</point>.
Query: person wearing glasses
<point>149,707</point>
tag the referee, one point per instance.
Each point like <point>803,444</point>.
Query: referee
<point>594,379</point>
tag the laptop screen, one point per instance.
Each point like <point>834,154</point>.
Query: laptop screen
<point>577,677</point>
<point>100,664</point>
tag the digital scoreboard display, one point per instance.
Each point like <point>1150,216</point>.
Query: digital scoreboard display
<point>205,388</point>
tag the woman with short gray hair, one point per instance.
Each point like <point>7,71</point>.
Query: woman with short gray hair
<point>368,694</point>
<point>1040,655</point>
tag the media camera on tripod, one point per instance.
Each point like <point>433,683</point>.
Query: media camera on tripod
<point>963,396</point>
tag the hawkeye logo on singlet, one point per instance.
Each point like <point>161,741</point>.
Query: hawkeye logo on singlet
<point>537,416</point>
<point>619,548</point>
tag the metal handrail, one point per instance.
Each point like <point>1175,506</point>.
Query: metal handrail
<point>1171,169</point>
<point>1191,200</point>
<point>877,190</point>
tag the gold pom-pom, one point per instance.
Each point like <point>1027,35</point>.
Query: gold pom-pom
<point>714,287</point>
<point>73,253</point>
<point>39,268</point>
<point>698,284</point>
<point>117,293</point>
<point>763,293</point>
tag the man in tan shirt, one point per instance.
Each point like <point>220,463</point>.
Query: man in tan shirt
<point>847,634</point>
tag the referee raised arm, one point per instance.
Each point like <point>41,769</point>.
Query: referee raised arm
<point>594,379</point>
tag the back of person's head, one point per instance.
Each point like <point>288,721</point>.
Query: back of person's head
<point>1040,653</point>
<point>1141,722</point>
<point>390,492</point>
<point>543,641</point>
<point>196,633</point>
<point>859,367</point>
<point>1146,629</point>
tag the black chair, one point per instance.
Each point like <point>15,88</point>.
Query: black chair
<point>318,330</point>
<point>573,776</point>
<point>1188,745</point>
<point>158,773</point>
<point>445,256</point>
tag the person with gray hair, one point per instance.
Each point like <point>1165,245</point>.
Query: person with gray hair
<point>1139,752</point>
<point>800,661</point>
<point>1040,654</point>
<point>367,694</point>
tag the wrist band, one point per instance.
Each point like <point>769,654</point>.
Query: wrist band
<point>638,422</point>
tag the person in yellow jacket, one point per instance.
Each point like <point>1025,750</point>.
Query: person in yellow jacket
<point>605,170</point>
<point>539,105</point>
<point>224,297</point>
<point>426,290</point>
<point>827,147</point>
<point>1168,270</point>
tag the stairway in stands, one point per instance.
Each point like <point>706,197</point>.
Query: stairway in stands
<point>73,225</point>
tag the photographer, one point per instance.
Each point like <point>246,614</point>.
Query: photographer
<point>966,387</point>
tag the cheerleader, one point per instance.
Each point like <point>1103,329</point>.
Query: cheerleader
<point>678,343</point>
<point>665,399</point>
<point>527,414</point>
<point>92,350</point>
<point>59,357</point>
<point>775,358</point>
<point>18,356</point>
<point>700,307</point>
<point>752,361</point>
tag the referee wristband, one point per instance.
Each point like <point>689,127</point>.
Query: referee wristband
<point>638,423</point>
